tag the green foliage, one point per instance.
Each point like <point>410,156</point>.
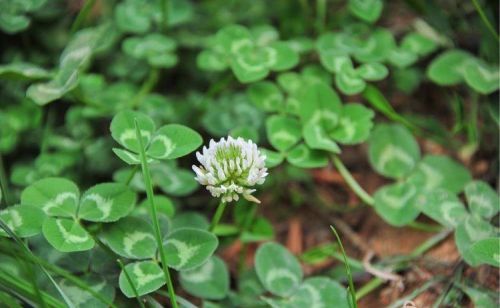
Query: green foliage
<point>309,84</point>
<point>280,274</point>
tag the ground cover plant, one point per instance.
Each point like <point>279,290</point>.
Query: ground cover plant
<point>177,153</point>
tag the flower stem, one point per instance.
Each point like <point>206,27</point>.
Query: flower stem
<point>149,192</point>
<point>353,184</point>
<point>217,216</point>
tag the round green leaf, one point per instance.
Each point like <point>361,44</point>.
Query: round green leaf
<point>174,181</point>
<point>273,158</point>
<point>55,196</point>
<point>25,220</point>
<point>355,124</point>
<point>233,37</point>
<point>133,243</point>
<point>189,220</point>
<point>376,48</point>
<point>470,231</point>
<point>142,47</point>
<point>208,281</point>
<point>317,138</point>
<point>303,157</point>
<point>266,95</point>
<point>439,171</point>
<point>252,63</point>
<point>418,44</point>
<point>173,141</point>
<point>392,150</point>
<point>66,235</point>
<point>402,58</point>
<point>188,248</point>
<point>210,60</point>
<point>106,202</point>
<point>123,129</point>
<point>286,57</point>
<point>482,77</point>
<point>163,205</point>
<point>449,67</point>
<point>349,82</point>
<point>442,206</point>
<point>372,71</point>
<point>278,270</point>
<point>146,276</point>
<point>283,131</point>
<point>482,199</point>
<point>366,10</point>
<point>319,104</point>
<point>487,251</point>
<point>396,203</point>
<point>316,292</point>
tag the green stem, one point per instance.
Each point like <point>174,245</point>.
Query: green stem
<point>485,20</point>
<point>132,174</point>
<point>353,184</point>
<point>369,287</point>
<point>431,242</point>
<point>320,15</point>
<point>4,184</point>
<point>425,227</point>
<point>164,14</point>
<point>146,87</point>
<point>84,12</point>
<point>124,270</point>
<point>154,217</point>
<point>217,216</point>
<point>352,291</point>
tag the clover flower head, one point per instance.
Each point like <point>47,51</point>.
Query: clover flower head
<point>230,168</point>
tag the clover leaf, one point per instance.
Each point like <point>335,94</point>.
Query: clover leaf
<point>251,54</point>
<point>188,248</point>
<point>24,220</point>
<point>132,243</point>
<point>208,281</point>
<point>392,150</point>
<point>278,270</point>
<point>448,68</point>
<point>396,204</point>
<point>158,50</point>
<point>73,60</point>
<point>146,277</point>
<point>366,10</point>
<point>168,142</point>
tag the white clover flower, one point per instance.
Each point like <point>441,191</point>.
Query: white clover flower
<point>230,168</point>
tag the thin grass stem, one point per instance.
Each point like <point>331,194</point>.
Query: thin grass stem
<point>154,217</point>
